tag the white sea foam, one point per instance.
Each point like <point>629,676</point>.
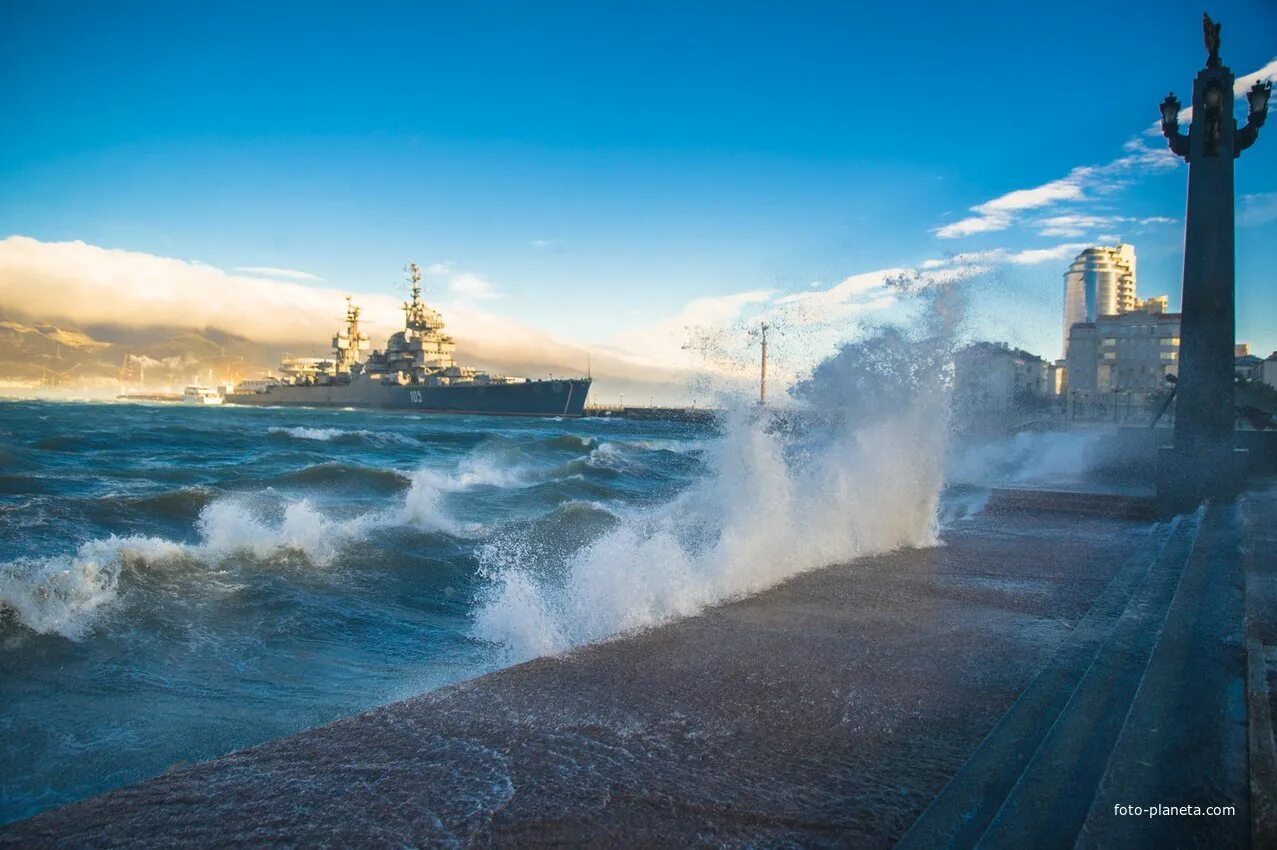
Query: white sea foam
<point>326,435</point>
<point>608,455</point>
<point>64,595</point>
<point>301,432</point>
<point>774,503</point>
<point>231,527</point>
<point>482,470</point>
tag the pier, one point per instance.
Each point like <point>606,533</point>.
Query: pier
<point>653,413</point>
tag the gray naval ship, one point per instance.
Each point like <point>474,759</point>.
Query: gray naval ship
<point>416,371</point>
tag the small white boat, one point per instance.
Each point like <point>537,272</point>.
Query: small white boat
<point>201,395</point>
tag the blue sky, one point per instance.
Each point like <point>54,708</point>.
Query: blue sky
<point>597,166</point>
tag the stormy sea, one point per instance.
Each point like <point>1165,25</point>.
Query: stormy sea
<point>180,582</point>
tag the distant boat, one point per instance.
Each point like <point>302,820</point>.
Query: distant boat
<point>201,395</point>
<point>416,371</point>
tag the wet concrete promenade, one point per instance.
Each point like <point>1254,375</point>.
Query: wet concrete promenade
<point>831,710</point>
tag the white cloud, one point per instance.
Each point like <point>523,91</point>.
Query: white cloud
<point>973,263</point>
<point>1033,256</point>
<point>843,292</point>
<point>469,285</point>
<point>462,284</point>
<point>999,213</point>
<point>1079,224</point>
<point>1242,84</point>
<point>271,271</point>
<point>1075,224</point>
<point>1259,208</point>
<point>973,225</point>
<point>1083,183</point>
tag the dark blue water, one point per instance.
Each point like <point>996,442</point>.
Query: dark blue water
<point>177,583</point>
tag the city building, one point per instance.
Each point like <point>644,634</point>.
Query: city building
<point>1268,370</point>
<point>1128,353</point>
<point>1056,377</point>
<point>1245,364</point>
<point>993,376</point>
<point>1101,282</point>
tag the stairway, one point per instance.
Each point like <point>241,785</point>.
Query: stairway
<point>1144,703</point>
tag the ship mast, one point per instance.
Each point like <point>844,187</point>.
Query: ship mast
<point>349,343</point>
<point>417,316</point>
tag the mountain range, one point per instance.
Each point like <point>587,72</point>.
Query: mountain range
<point>38,354</point>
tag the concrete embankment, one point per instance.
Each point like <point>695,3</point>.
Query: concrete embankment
<point>830,710</point>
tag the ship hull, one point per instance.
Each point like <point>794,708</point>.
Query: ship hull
<point>532,398</point>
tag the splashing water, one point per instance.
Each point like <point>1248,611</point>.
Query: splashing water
<point>180,582</point>
<point>857,472</point>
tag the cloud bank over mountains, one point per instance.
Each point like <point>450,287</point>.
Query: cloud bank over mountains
<point>84,284</point>
<point>705,343</point>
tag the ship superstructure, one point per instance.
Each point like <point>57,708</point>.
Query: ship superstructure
<point>416,369</point>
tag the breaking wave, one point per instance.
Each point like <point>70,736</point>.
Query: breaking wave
<point>859,473</point>
<point>65,594</point>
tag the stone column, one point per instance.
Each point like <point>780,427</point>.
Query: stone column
<point>1204,414</point>
<point>1203,461</point>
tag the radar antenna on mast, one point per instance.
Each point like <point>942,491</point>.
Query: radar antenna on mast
<point>419,317</point>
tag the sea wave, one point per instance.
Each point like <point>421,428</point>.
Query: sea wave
<point>342,435</point>
<point>65,594</point>
<point>348,476</point>
<point>774,502</point>
<point>564,488</point>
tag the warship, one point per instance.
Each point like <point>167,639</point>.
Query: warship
<point>416,371</point>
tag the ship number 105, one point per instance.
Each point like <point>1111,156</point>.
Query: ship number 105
<point>414,396</point>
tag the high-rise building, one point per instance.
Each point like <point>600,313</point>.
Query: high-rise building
<point>1100,282</point>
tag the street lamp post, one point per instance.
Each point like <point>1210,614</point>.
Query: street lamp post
<point>1202,461</point>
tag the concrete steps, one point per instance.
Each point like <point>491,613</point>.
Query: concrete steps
<point>1259,525</point>
<point>966,807</point>
<point>1143,704</point>
<point>1032,500</point>
<point>1184,740</point>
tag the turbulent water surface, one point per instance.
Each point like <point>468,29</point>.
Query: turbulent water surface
<point>176,583</point>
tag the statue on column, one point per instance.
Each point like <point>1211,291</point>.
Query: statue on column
<point>1210,31</point>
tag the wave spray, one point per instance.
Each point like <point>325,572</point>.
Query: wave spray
<point>856,469</point>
